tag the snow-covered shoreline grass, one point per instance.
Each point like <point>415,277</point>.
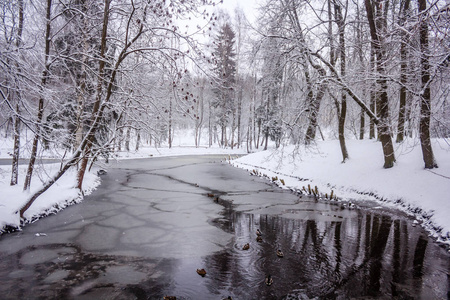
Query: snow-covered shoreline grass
<point>425,194</point>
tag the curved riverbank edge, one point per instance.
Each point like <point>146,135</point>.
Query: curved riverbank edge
<point>349,196</point>
<point>59,196</point>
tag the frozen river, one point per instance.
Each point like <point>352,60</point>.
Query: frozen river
<point>153,222</point>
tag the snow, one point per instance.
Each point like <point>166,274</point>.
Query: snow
<point>146,152</point>
<point>424,194</point>
<point>59,196</point>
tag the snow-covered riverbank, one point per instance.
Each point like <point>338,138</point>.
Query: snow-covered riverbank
<point>407,186</point>
<point>62,194</point>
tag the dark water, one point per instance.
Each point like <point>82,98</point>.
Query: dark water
<point>372,255</point>
<point>144,233</point>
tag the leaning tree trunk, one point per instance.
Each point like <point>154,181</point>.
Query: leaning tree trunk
<point>382,96</point>
<point>315,104</point>
<point>96,111</point>
<point>40,114</point>
<point>425,98</point>
<point>312,101</point>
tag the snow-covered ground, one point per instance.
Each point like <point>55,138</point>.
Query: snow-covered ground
<point>59,196</point>
<point>424,194</point>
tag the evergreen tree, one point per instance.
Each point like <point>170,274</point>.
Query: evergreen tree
<point>225,78</point>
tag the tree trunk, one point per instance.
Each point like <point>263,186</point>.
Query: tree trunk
<point>258,135</point>
<point>127,139</point>
<point>40,114</point>
<point>343,111</point>
<point>239,116</point>
<point>362,122</point>
<point>201,114</point>
<point>16,150</point>
<point>138,138</point>
<point>170,123</point>
<point>233,125</point>
<point>81,91</point>
<point>372,93</point>
<point>382,96</point>
<point>210,133</point>
<point>96,112</point>
<point>49,183</point>
<point>403,71</point>
<point>119,138</point>
<point>359,39</point>
<point>425,97</point>
<point>312,102</point>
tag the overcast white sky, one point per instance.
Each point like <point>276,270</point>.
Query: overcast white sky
<point>248,6</point>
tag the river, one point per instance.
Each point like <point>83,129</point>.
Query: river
<point>153,222</point>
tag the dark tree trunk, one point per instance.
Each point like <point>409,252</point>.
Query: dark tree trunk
<point>40,114</point>
<point>403,70</point>
<point>382,96</point>
<point>210,129</point>
<point>119,138</point>
<point>138,139</point>
<point>315,104</point>
<point>96,111</point>
<point>425,98</point>
<point>362,122</point>
<point>343,111</point>
<point>127,139</point>
<point>16,149</point>
<point>239,116</point>
<point>372,94</point>
<point>258,136</point>
<point>266,127</point>
<point>359,34</point>
<point>233,127</point>
<point>170,123</point>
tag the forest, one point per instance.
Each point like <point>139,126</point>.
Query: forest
<point>88,78</point>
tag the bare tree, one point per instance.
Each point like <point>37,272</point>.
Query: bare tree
<point>377,24</point>
<point>425,95</point>
<point>342,108</point>
<point>40,114</point>
<point>404,8</point>
<point>128,41</point>
<point>16,149</point>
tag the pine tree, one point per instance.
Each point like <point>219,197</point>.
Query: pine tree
<point>225,78</point>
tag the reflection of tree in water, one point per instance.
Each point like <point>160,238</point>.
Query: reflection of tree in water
<point>370,255</point>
